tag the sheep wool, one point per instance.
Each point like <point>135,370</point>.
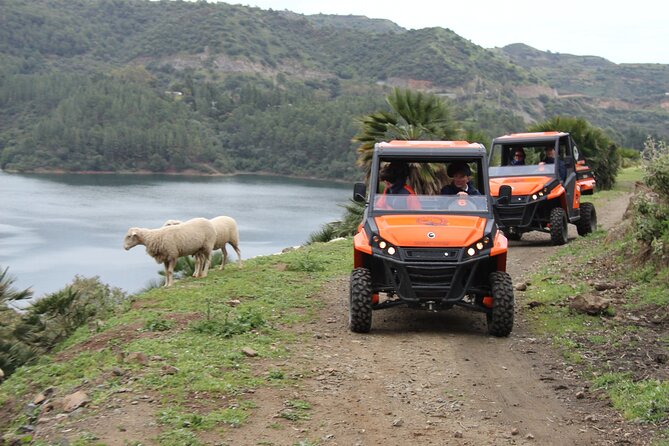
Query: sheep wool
<point>166,244</point>
<point>226,232</point>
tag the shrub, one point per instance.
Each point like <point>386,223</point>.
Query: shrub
<point>651,205</point>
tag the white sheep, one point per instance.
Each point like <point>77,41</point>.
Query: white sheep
<point>195,237</point>
<point>226,232</point>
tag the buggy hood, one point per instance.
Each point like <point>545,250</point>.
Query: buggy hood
<point>519,185</point>
<point>431,230</point>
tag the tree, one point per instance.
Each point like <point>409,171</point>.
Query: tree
<point>593,144</point>
<point>414,115</point>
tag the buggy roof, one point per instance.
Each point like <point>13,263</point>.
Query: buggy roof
<point>529,136</point>
<point>430,144</point>
<point>431,150</point>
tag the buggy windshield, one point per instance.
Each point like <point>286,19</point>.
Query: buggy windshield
<point>508,160</point>
<point>429,186</point>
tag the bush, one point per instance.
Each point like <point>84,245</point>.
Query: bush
<point>651,204</point>
<point>656,164</point>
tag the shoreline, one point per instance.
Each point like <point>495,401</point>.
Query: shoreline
<point>194,173</point>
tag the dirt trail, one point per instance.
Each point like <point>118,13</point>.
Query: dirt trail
<point>418,378</point>
<point>434,378</point>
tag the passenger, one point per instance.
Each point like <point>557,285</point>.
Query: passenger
<point>518,157</point>
<point>461,185</point>
<point>549,158</point>
<point>395,175</point>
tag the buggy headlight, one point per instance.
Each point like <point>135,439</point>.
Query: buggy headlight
<point>539,195</point>
<point>477,248</point>
<point>383,246</point>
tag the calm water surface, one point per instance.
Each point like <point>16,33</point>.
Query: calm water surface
<point>53,227</point>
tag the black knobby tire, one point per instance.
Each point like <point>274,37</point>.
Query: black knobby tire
<point>500,318</point>
<point>559,228</point>
<point>360,301</point>
<point>587,224</point>
<point>513,235</point>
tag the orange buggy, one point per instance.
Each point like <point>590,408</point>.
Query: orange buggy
<point>426,250</point>
<point>540,194</point>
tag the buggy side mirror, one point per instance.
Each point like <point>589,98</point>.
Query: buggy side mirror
<point>505,193</point>
<point>359,192</point>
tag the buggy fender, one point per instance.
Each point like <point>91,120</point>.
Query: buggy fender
<point>361,247</point>
<point>557,192</point>
<point>499,250</point>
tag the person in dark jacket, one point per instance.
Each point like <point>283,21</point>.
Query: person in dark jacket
<point>395,175</point>
<point>461,184</point>
<point>518,157</point>
<point>550,159</point>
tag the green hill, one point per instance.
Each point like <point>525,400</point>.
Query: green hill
<point>138,85</point>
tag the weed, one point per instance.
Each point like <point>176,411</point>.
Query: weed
<point>158,325</point>
<point>645,401</point>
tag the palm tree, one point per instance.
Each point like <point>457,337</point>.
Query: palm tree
<point>12,352</point>
<point>414,115</point>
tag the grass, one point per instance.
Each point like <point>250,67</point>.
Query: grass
<point>199,328</point>
<point>643,400</point>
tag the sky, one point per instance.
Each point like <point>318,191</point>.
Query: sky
<point>620,31</point>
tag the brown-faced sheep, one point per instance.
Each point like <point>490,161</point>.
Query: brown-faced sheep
<point>195,237</point>
<point>226,232</point>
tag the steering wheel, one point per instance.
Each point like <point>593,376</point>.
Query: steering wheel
<point>462,203</point>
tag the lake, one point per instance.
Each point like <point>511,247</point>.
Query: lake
<point>53,227</point>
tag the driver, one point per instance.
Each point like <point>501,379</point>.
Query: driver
<point>461,184</point>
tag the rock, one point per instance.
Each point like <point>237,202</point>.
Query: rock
<point>75,400</point>
<point>529,437</point>
<point>590,304</point>
<point>169,370</point>
<point>603,286</point>
<point>234,302</point>
<point>398,422</point>
<point>515,431</point>
<point>521,287</point>
<point>458,434</point>
<point>2,375</point>
<point>39,399</point>
<point>580,395</point>
<point>533,304</point>
<point>248,351</point>
<point>137,358</point>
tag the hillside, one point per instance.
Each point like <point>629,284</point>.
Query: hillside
<point>137,85</point>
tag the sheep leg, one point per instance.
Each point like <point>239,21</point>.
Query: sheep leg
<point>239,254</point>
<point>224,257</point>
<point>169,271</point>
<point>206,263</point>
<point>198,265</point>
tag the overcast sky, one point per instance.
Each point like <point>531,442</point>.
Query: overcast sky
<point>631,31</point>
